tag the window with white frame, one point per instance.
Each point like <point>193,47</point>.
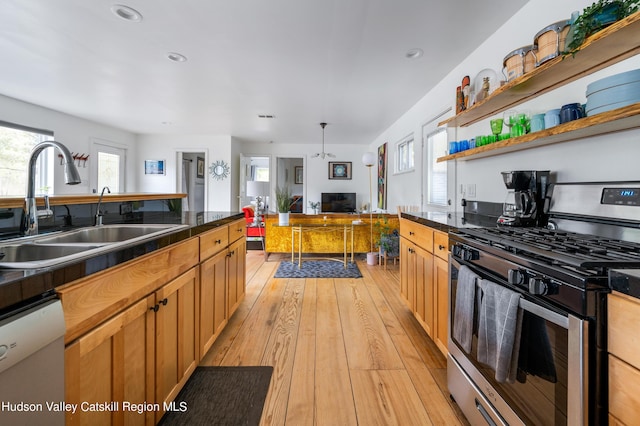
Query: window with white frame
<point>437,172</point>
<point>16,143</point>
<point>404,155</point>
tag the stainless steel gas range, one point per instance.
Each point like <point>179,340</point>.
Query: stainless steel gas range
<point>556,358</point>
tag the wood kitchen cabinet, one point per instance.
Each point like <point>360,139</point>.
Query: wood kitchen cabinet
<point>112,363</point>
<point>176,345</point>
<point>144,354</point>
<point>624,359</point>
<point>136,332</point>
<point>222,279</point>
<point>424,278</point>
<point>441,289</point>
<point>237,274</point>
<point>213,300</point>
<point>416,266</point>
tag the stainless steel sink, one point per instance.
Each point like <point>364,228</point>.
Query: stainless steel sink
<point>105,234</point>
<point>48,250</point>
<point>31,255</point>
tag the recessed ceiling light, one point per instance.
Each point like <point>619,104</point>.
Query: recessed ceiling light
<point>414,53</point>
<point>176,57</point>
<point>127,13</point>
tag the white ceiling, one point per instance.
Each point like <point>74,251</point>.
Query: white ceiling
<point>304,61</point>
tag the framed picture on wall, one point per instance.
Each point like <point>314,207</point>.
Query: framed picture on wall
<point>155,167</point>
<point>200,167</point>
<point>298,172</point>
<point>339,169</point>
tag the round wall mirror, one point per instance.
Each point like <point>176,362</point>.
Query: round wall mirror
<point>219,170</point>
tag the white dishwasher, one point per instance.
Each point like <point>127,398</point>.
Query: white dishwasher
<point>32,365</point>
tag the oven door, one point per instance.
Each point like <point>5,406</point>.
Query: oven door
<point>551,383</point>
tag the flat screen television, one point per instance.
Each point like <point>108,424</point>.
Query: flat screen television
<point>338,202</point>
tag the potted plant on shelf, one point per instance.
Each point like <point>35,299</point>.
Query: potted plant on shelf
<point>283,204</point>
<point>596,17</point>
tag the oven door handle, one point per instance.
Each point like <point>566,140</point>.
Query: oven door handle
<point>544,313</point>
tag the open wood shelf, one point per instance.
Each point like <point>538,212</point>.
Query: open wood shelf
<point>613,44</point>
<point>607,122</point>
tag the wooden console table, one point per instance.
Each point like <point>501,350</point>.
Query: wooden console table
<point>299,229</point>
<point>279,237</point>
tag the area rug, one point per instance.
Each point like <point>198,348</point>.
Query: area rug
<point>317,269</point>
<point>221,396</point>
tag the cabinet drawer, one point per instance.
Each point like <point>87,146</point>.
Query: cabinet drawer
<point>237,230</point>
<point>419,234</point>
<point>441,245</point>
<point>624,391</point>
<point>624,341</point>
<point>213,242</point>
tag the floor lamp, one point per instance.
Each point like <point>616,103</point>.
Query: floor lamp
<point>257,189</point>
<point>369,159</point>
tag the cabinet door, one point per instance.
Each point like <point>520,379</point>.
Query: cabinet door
<point>213,300</point>
<point>176,336</point>
<point>424,285</point>
<point>441,286</point>
<point>112,363</point>
<point>237,274</point>
<point>407,272</point>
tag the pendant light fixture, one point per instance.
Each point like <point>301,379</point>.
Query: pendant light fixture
<point>323,154</point>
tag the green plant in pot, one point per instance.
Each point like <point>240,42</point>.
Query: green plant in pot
<point>596,17</point>
<point>387,237</point>
<point>283,204</point>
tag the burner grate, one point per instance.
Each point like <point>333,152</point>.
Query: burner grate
<point>560,248</point>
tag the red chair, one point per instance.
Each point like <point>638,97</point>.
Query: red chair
<point>252,230</point>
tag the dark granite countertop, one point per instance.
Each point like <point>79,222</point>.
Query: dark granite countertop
<point>625,281</point>
<point>24,287</point>
<point>450,221</point>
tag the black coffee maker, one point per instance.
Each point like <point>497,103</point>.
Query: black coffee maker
<point>524,205</point>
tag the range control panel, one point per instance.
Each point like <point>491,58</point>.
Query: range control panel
<point>621,196</point>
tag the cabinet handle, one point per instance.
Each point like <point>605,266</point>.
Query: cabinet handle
<point>218,241</point>
<point>155,308</point>
<point>412,233</point>
<point>164,301</point>
<point>441,247</point>
<point>239,229</point>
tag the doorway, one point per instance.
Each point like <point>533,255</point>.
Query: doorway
<point>290,173</point>
<point>191,180</point>
<point>254,168</point>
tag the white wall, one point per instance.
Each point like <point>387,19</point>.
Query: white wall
<point>76,134</point>
<point>608,157</point>
<point>166,147</point>
<point>316,170</point>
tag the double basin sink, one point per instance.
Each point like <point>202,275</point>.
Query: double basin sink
<point>52,249</point>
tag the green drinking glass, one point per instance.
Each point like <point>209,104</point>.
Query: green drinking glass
<point>496,126</point>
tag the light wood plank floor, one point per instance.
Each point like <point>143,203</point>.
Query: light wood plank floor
<point>344,351</point>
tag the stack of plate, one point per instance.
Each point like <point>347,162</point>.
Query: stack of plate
<point>613,92</point>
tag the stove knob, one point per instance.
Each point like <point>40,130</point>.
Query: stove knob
<point>538,286</point>
<point>517,277</point>
<point>470,254</point>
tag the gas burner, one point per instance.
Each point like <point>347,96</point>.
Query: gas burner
<point>579,252</point>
